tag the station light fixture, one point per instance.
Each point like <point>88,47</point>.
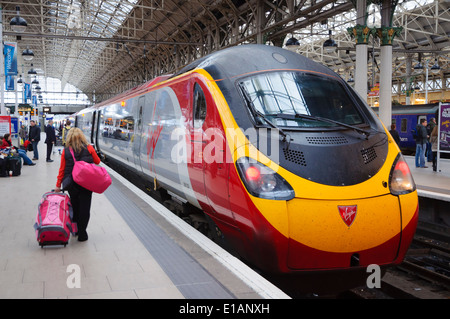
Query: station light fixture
<point>18,24</point>
<point>329,46</point>
<point>28,54</point>
<point>292,41</point>
<point>292,44</point>
<point>435,68</point>
<point>351,79</point>
<point>32,71</point>
<point>418,66</point>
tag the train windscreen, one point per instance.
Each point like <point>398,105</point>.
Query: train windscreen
<point>298,99</point>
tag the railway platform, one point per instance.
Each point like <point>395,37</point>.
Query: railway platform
<point>430,184</point>
<point>137,249</point>
<point>433,189</point>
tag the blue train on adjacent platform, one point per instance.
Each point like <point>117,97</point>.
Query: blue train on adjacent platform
<point>406,118</point>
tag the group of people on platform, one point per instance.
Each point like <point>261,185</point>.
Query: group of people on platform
<point>72,139</point>
<point>29,140</point>
<point>426,137</point>
<point>426,143</point>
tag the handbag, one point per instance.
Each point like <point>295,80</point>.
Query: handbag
<point>28,146</point>
<point>90,176</point>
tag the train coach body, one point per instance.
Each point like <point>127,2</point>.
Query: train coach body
<point>295,171</point>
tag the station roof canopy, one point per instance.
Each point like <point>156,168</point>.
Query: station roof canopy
<point>108,46</point>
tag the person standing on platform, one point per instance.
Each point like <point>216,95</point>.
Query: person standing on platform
<point>421,143</point>
<point>395,134</point>
<point>23,134</point>
<point>34,136</point>
<point>79,196</point>
<point>430,127</point>
<point>50,139</point>
<point>65,131</point>
<point>434,146</point>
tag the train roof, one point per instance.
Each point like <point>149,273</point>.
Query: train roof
<point>137,90</point>
<point>242,59</point>
<point>412,109</point>
<point>233,62</point>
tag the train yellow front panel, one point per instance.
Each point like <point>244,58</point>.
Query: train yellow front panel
<point>409,204</point>
<point>319,224</point>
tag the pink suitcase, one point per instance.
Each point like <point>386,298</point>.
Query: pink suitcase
<point>54,220</point>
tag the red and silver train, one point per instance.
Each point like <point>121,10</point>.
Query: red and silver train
<point>284,158</point>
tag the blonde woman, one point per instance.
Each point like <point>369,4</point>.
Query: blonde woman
<point>79,196</point>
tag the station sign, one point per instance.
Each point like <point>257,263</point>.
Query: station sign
<point>10,52</point>
<point>25,108</point>
<point>5,125</point>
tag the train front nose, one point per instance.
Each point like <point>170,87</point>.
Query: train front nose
<point>342,233</point>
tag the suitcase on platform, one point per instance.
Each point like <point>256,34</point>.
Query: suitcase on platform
<point>3,172</point>
<point>54,220</point>
<point>14,164</point>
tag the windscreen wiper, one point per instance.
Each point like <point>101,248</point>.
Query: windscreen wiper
<point>322,119</point>
<point>262,116</point>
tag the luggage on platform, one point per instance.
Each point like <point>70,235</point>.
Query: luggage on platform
<point>54,220</point>
<point>3,167</point>
<point>28,146</point>
<point>14,164</point>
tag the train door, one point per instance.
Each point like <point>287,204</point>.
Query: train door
<point>93,127</point>
<point>137,136</point>
<point>195,160</point>
<point>421,117</point>
<point>215,170</point>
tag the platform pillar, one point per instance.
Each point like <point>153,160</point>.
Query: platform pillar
<point>361,33</point>
<point>408,79</point>
<point>386,35</point>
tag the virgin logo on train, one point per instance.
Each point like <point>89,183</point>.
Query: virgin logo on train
<point>348,214</point>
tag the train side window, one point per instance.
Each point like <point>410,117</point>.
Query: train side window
<point>403,126</point>
<point>199,106</point>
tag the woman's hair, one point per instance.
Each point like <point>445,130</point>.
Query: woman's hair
<point>6,136</point>
<point>76,139</point>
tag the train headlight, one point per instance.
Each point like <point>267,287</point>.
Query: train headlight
<point>261,181</point>
<point>400,179</point>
